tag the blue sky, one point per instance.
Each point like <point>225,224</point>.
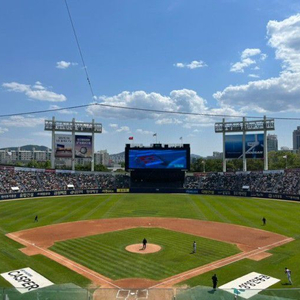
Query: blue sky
<point>218,56</point>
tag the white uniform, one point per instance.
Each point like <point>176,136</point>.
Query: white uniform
<point>288,274</point>
<point>194,247</point>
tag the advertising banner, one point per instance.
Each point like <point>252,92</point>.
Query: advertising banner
<point>63,145</point>
<point>249,285</point>
<point>254,146</point>
<point>26,280</point>
<point>83,146</point>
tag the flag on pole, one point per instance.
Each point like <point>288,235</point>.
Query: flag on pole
<point>155,134</point>
<point>285,156</point>
<point>180,138</point>
<point>130,138</point>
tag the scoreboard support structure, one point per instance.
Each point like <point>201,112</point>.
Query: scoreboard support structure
<point>244,127</point>
<point>73,127</point>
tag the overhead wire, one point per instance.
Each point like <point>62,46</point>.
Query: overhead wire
<point>80,51</point>
<point>104,105</point>
<point>145,110</point>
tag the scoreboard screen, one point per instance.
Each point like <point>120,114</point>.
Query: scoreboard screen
<point>152,158</point>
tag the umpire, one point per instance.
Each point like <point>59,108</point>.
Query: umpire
<point>215,281</point>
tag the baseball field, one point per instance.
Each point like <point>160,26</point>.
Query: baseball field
<point>82,239</point>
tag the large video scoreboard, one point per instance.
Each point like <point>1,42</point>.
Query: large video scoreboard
<point>157,157</point>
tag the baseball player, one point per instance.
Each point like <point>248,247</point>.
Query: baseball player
<point>36,219</point>
<point>288,273</point>
<point>144,243</point>
<point>194,247</point>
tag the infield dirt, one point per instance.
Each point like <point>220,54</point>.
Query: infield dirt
<point>252,242</point>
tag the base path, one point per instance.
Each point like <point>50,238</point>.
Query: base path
<point>252,242</point>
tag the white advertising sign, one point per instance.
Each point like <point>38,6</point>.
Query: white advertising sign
<point>26,280</point>
<point>249,285</point>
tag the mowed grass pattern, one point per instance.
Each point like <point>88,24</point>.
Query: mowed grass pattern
<point>282,217</point>
<point>106,253</point>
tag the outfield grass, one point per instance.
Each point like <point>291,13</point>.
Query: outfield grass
<point>106,254</point>
<point>282,217</point>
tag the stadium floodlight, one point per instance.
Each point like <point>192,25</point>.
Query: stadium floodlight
<point>246,126</point>
<point>73,126</point>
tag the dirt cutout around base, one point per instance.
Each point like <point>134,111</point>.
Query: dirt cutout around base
<point>138,248</point>
<point>260,256</point>
<point>253,243</point>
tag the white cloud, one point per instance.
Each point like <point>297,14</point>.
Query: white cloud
<point>179,65</point>
<point>276,94</point>
<point>123,129</point>
<point>253,75</point>
<point>263,56</point>
<point>177,101</point>
<point>2,130</point>
<point>144,132</point>
<point>246,61</point>
<point>241,65</point>
<point>165,121</point>
<point>65,64</point>
<point>113,125</point>
<point>63,111</point>
<point>195,64</point>
<point>250,52</point>
<point>20,121</point>
<point>43,133</point>
<point>37,91</point>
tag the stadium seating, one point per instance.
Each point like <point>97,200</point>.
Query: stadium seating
<point>281,182</point>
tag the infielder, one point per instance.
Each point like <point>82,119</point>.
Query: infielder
<point>288,273</point>
<point>194,247</point>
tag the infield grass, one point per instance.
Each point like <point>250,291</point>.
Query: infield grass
<point>106,254</point>
<point>282,217</point>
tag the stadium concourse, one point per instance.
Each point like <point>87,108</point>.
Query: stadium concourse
<point>14,179</point>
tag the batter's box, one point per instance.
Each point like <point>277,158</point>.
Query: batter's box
<point>142,294</point>
<point>132,294</point>
<point>123,294</point>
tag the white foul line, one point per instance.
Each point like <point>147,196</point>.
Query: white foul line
<point>69,261</point>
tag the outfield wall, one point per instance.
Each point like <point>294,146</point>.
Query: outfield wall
<point>149,190</point>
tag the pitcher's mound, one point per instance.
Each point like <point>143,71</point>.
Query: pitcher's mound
<point>138,248</point>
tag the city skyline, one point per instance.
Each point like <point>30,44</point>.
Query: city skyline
<point>175,56</point>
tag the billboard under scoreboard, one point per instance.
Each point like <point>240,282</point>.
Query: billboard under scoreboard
<point>83,146</point>
<point>157,158</point>
<point>63,145</point>
<point>254,146</point>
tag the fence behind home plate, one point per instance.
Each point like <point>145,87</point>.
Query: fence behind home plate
<point>73,292</point>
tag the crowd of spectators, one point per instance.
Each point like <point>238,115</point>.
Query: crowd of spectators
<point>266,182</point>
<point>281,182</point>
<point>27,181</point>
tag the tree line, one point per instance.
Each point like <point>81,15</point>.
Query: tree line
<point>276,161</point>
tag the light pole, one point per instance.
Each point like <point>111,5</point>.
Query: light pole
<point>203,163</point>
<point>285,161</point>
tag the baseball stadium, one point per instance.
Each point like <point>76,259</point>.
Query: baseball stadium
<point>150,150</point>
<point>86,241</point>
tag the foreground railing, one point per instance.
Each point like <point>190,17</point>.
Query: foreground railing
<point>71,292</point>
